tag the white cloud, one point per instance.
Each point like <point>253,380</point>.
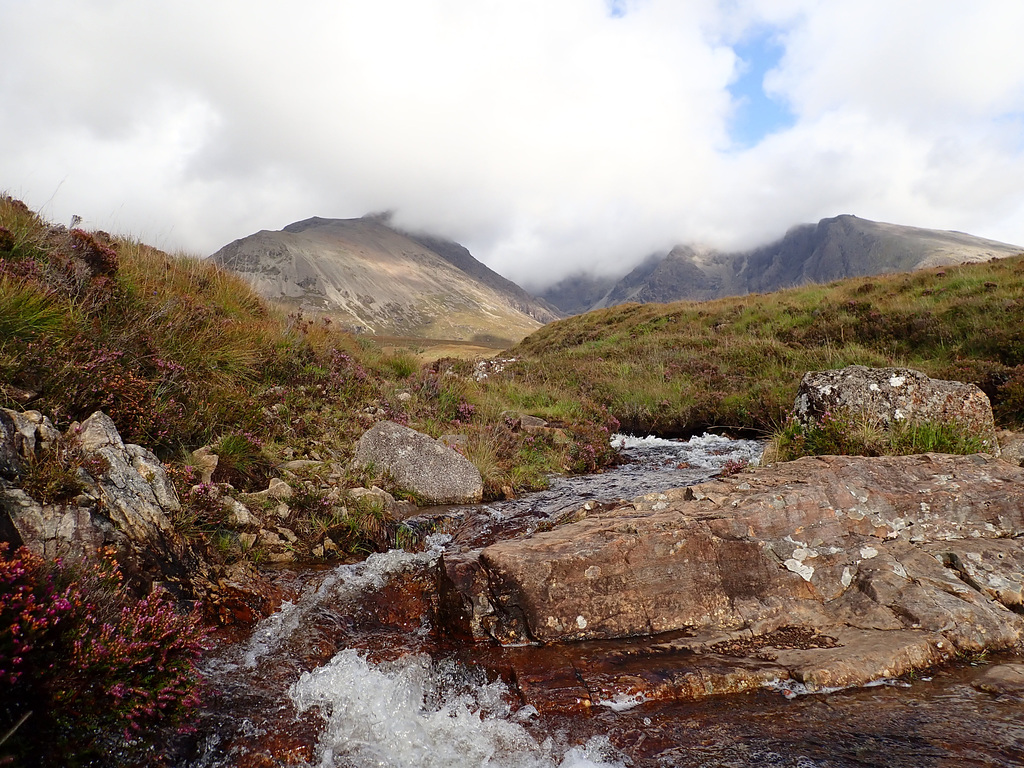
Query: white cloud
<point>545,136</point>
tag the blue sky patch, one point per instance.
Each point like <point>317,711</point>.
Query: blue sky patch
<point>616,8</point>
<point>757,115</point>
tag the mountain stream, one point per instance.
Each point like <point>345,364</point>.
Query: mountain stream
<point>352,674</point>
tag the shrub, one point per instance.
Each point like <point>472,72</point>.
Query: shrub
<point>84,666</point>
<point>366,528</point>
<point>400,364</point>
<point>25,309</point>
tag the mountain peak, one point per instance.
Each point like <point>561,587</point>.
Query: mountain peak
<point>377,279</point>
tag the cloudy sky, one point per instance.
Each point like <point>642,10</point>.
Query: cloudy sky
<point>546,135</point>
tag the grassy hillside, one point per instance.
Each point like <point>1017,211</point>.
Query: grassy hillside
<point>736,363</point>
<point>181,353</point>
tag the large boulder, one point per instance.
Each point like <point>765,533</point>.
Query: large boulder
<point>878,565</point>
<point>420,464</point>
<point>123,505</point>
<point>886,395</point>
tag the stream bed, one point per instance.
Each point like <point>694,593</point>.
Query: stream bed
<point>353,673</point>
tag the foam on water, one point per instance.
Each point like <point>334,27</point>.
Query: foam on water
<point>791,689</point>
<point>418,713</point>
<point>623,702</point>
<point>711,452</point>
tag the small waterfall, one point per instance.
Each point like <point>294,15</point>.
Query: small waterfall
<point>421,713</point>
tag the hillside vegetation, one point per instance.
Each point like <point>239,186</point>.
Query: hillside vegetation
<point>181,353</point>
<point>735,363</point>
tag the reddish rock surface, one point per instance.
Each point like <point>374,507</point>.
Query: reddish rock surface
<point>884,564</point>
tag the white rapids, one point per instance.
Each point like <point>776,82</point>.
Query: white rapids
<point>417,713</point>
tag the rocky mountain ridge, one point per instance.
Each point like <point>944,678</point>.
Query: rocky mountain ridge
<point>832,249</point>
<point>377,279</point>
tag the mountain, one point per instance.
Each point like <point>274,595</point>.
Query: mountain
<point>578,293</point>
<point>844,246</point>
<point>377,279</point>
<point>459,256</point>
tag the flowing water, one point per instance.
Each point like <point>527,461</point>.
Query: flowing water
<point>352,673</point>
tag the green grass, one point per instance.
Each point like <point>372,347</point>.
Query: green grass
<point>849,434</point>
<point>180,354</point>
<point>675,369</point>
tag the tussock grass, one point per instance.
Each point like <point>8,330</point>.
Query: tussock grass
<point>845,433</point>
<point>26,310</point>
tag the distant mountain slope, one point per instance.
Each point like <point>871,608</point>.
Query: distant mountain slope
<point>379,280</point>
<point>459,256</point>
<point>844,246</point>
<point>577,293</point>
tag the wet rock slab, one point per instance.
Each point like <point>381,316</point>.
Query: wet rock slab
<point>901,562</point>
<point>1002,679</point>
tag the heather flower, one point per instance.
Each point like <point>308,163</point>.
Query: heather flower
<point>87,658</point>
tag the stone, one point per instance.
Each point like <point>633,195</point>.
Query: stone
<point>886,395</point>
<point>1001,679</point>
<point>419,464</point>
<point>11,460</point>
<point>126,505</point>
<point>301,465</point>
<point>205,462</point>
<point>21,434</point>
<point>278,490</point>
<point>238,595</point>
<point>34,431</point>
<point>238,515</point>
<point>902,561</point>
<point>396,510</point>
<point>77,530</point>
<point>518,421</point>
<point>1011,446</point>
<point>373,495</point>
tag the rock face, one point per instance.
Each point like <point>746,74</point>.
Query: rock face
<point>887,395</point>
<point>1002,679</point>
<point>420,464</point>
<point>1011,446</point>
<point>875,565</point>
<point>124,505</point>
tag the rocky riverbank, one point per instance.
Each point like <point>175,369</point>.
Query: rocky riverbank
<point>824,572</point>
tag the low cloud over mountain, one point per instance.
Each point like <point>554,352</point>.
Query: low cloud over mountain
<point>844,246</point>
